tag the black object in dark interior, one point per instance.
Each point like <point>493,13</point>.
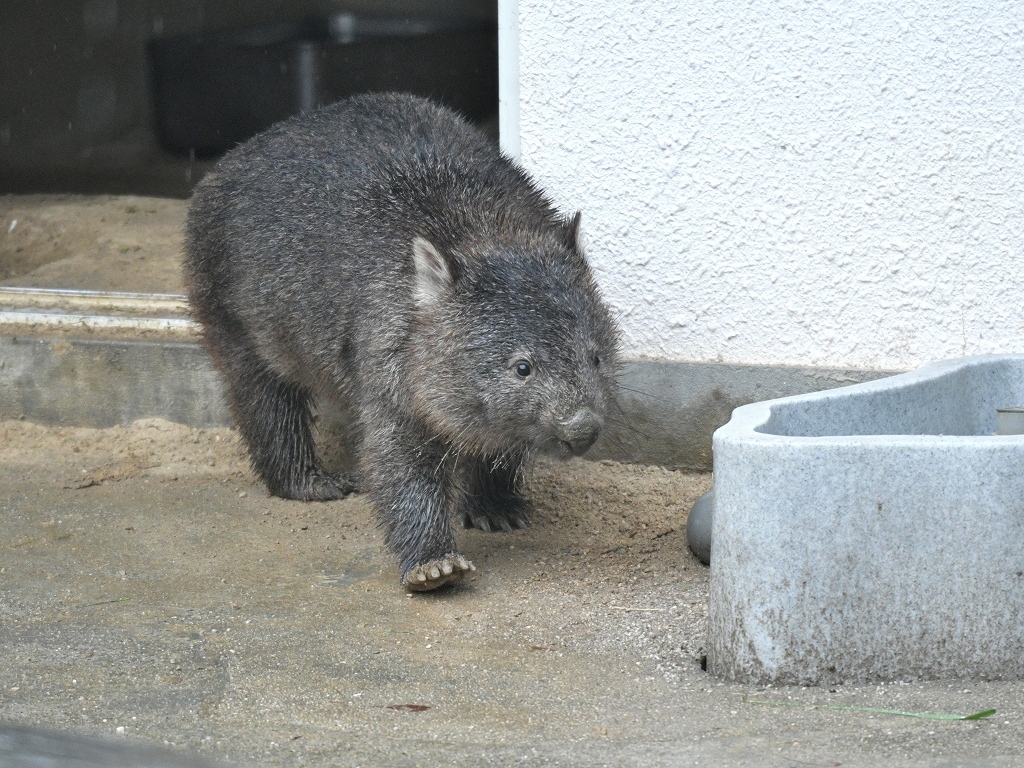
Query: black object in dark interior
<point>213,90</point>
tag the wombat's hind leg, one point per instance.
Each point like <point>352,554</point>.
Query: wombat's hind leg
<point>436,573</point>
<point>274,418</point>
<point>277,426</point>
<point>492,498</point>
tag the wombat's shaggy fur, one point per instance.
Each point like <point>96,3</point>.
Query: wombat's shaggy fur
<point>382,254</point>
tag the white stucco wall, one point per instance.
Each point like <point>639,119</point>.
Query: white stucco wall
<point>819,183</point>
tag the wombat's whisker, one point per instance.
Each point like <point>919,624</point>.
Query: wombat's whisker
<point>643,393</point>
<point>626,421</point>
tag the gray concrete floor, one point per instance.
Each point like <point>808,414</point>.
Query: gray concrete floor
<point>162,598</point>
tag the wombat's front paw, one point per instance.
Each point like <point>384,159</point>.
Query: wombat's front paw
<point>322,486</point>
<point>435,573</point>
<point>507,518</point>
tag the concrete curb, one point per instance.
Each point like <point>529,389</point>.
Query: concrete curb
<point>85,358</point>
<point>100,383</point>
<point>667,415</point>
<point>669,410</point>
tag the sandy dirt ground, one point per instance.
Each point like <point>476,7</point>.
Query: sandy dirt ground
<point>151,590</point>
<point>604,528</point>
<point>94,242</point>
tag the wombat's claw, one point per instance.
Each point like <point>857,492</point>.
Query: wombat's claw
<point>489,523</point>
<point>435,573</point>
<point>324,486</point>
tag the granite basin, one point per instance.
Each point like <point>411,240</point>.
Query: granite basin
<point>872,532</point>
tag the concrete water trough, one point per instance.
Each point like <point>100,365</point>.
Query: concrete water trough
<point>873,532</point>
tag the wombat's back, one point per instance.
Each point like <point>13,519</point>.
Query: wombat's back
<point>377,166</point>
<point>301,235</point>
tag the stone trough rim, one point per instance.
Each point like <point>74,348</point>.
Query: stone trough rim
<point>748,421</point>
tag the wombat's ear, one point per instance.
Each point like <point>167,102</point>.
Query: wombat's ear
<point>433,275</point>
<point>572,231</point>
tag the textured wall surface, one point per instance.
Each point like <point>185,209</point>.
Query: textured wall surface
<point>816,183</point>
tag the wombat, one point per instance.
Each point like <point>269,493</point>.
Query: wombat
<point>383,255</point>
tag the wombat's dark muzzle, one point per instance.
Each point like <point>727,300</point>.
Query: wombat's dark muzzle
<point>579,433</point>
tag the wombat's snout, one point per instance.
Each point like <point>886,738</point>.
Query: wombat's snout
<point>579,433</point>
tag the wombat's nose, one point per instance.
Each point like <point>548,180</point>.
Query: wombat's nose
<point>580,432</point>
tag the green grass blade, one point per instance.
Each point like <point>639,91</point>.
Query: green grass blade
<point>875,711</point>
<point>979,715</point>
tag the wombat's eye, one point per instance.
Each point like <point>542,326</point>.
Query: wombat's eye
<point>523,369</point>
<point>597,360</point>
